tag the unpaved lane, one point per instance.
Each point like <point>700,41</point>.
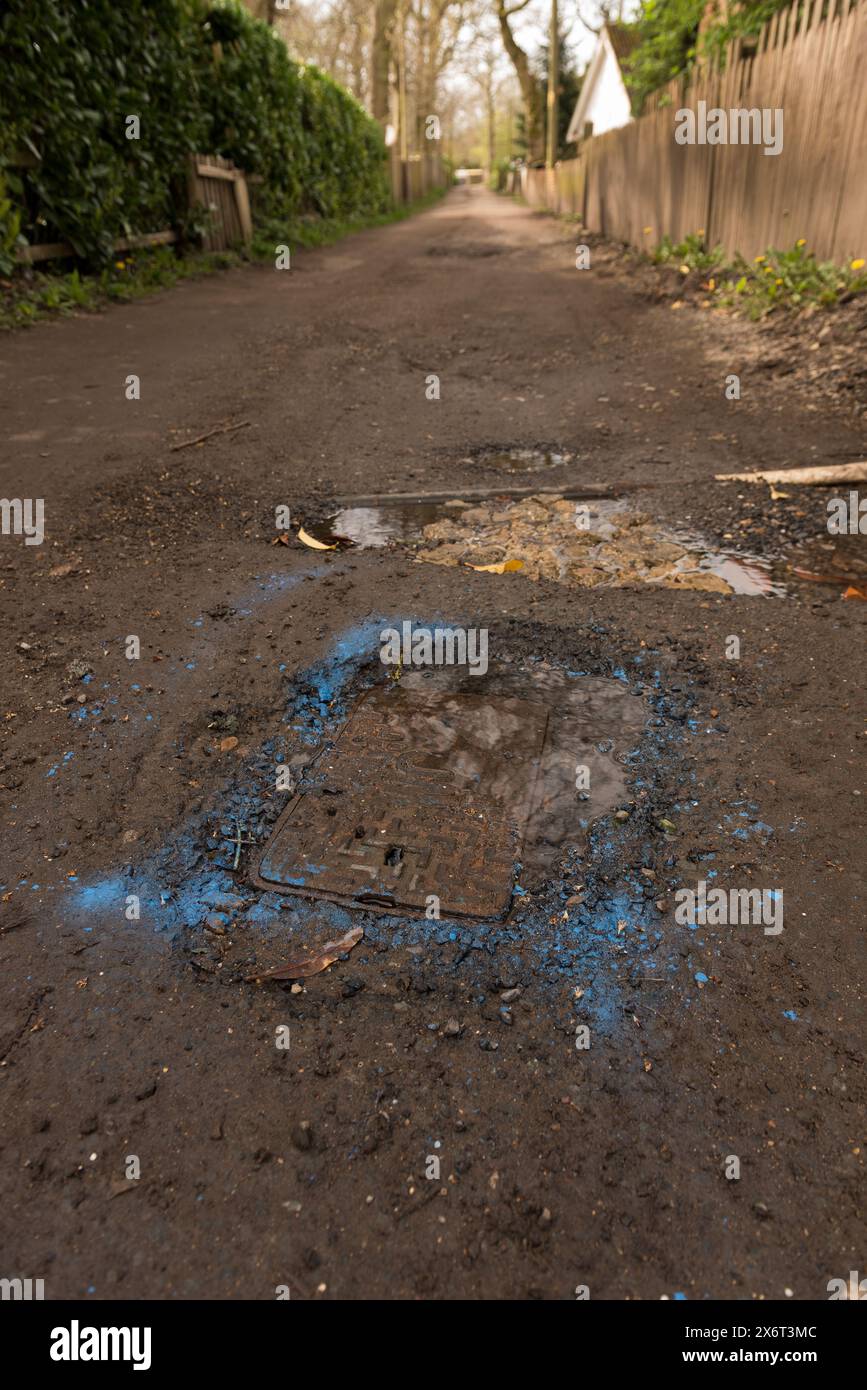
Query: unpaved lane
<point>261,1167</point>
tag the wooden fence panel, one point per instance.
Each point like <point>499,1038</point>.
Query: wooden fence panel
<point>811,65</point>
<point>216,184</point>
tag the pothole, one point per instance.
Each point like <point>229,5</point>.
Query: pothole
<point>472,250</point>
<point>588,543</point>
<point>434,795</point>
<point>520,460</point>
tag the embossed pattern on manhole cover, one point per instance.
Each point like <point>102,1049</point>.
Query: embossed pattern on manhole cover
<point>420,795</point>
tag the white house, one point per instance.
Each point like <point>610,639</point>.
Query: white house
<point>604,102</point>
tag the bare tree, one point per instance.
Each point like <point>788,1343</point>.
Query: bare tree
<point>532,89</point>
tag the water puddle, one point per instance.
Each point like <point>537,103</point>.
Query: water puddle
<point>386,524</point>
<point>575,540</point>
<point>434,790</point>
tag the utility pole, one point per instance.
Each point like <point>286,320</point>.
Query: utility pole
<point>404,134</point>
<point>553,78</point>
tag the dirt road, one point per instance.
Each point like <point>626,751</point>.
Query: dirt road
<point>561,1167</point>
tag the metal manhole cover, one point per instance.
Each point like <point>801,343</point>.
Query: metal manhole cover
<point>422,794</point>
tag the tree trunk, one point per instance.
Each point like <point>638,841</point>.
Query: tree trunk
<point>531,87</point>
<point>380,61</point>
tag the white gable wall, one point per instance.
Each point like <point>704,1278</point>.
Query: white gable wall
<point>604,99</point>
<point>609,105</point>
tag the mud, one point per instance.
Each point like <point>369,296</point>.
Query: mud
<point>154,779</point>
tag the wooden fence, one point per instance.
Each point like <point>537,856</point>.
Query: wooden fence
<point>810,62</point>
<point>215,184</point>
<point>415,177</point>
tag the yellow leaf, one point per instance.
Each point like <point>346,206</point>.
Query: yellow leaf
<point>504,567</point>
<point>312,542</point>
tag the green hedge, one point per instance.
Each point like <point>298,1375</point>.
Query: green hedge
<point>201,77</point>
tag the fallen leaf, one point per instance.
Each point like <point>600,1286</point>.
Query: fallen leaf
<point>312,965</point>
<point>59,571</point>
<point>852,592</point>
<point>504,567</point>
<point>227,744</point>
<point>314,544</point>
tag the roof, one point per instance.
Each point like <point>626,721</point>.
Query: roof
<point>624,39</point>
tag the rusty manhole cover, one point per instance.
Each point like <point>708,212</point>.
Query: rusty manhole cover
<point>423,794</point>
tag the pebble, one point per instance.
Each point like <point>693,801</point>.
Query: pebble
<point>301,1135</point>
<point>452,1029</point>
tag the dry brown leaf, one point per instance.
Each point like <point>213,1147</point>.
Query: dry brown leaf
<point>314,544</point>
<point>227,744</point>
<point>504,567</point>
<point>312,965</point>
<point>852,592</point>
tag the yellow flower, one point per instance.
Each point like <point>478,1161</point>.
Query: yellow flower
<point>684,270</point>
<point>700,231</point>
<point>769,270</point>
<point>778,282</point>
<point>711,284</point>
<point>859,264</point>
<point>759,260</point>
<point>119,265</point>
<point>647,231</point>
<point>802,241</point>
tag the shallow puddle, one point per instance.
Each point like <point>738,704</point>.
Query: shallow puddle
<point>370,527</point>
<point>556,535</point>
<point>436,789</point>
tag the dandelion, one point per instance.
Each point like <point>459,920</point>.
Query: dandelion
<point>802,241</point>
<point>778,282</point>
<point>859,264</point>
<point>647,230</point>
<point>758,260</point>
<point>119,265</point>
